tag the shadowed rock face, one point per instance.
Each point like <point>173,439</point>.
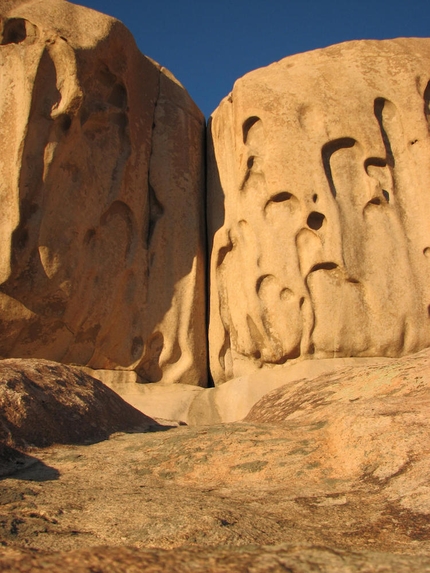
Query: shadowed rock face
<point>101,167</point>
<point>318,190</point>
<point>44,403</point>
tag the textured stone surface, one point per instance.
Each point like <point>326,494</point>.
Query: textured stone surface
<point>342,463</point>
<point>371,424</point>
<point>44,403</point>
<point>278,559</point>
<point>229,402</point>
<point>318,191</point>
<point>101,166</point>
<point>232,401</point>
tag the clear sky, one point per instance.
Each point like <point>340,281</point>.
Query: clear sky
<point>208,44</point>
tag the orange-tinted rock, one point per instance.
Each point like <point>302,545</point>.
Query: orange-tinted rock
<point>319,201</point>
<point>339,462</point>
<point>363,423</point>
<point>101,186</point>
<point>276,559</point>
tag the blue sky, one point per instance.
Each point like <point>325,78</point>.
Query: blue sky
<point>208,44</point>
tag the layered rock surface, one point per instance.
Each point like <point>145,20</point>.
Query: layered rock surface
<point>319,204</point>
<point>101,186</point>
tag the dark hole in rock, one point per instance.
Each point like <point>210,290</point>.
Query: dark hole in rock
<point>118,97</point>
<point>89,235</point>
<point>14,31</point>
<point>250,122</point>
<point>280,197</point>
<point>315,220</point>
<point>65,121</point>
<point>375,201</point>
<point>323,267</point>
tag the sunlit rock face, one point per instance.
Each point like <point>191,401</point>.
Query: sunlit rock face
<point>101,187</point>
<point>319,198</point>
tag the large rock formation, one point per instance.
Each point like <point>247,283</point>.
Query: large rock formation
<point>101,186</point>
<point>319,208</point>
<point>320,249</point>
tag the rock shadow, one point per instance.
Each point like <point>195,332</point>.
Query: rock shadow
<point>17,465</point>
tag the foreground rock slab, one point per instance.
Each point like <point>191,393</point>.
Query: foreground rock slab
<point>102,188</point>
<point>338,462</point>
<point>235,484</point>
<point>331,473</point>
<point>278,559</point>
